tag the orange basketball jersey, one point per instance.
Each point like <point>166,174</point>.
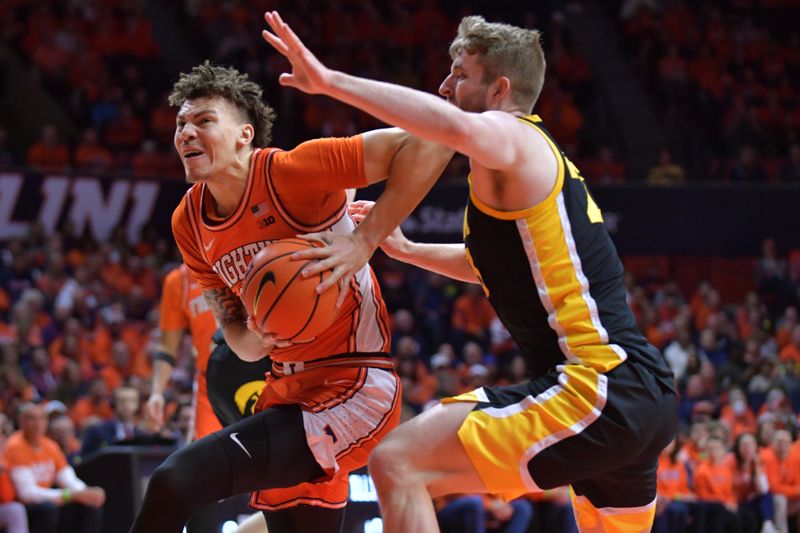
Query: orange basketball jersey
<point>183,307</point>
<point>287,193</point>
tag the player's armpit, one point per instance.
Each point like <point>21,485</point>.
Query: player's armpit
<point>226,306</point>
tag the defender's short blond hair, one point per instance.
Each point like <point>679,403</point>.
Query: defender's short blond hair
<point>505,50</point>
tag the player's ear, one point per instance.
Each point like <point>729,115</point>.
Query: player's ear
<point>247,134</point>
<point>500,88</point>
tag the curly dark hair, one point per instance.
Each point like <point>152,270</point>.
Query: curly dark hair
<point>208,80</point>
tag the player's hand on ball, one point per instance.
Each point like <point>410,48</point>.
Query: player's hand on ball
<point>343,254</point>
<point>268,340</point>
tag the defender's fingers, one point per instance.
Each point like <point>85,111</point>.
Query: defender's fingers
<point>311,253</point>
<point>344,290</point>
<point>276,43</point>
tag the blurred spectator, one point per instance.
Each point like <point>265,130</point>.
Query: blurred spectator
<point>604,168</point>
<point>92,407</point>
<point>53,495</point>
<point>473,513</point>
<point>677,353</point>
<point>790,353</point>
<point>667,171</point>
<point>713,482</point>
<point>120,428</point>
<point>62,430</point>
<point>783,473</point>
<point>751,485</point>
<point>472,316</point>
<point>49,154</point>
<point>12,513</point>
<point>747,167</point>
<point>790,171</point>
<point>772,277</point>
<point>737,415</point>
<point>674,494</point>
<point>90,155</point>
<point>147,161</point>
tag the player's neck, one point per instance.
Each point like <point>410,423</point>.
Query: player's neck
<point>227,188</point>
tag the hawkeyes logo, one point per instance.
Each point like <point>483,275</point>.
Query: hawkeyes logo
<point>247,395</point>
<point>268,277</point>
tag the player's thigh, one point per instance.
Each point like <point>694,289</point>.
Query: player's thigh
<point>426,450</point>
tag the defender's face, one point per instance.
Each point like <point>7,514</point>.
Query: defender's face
<point>206,133</point>
<point>464,86</point>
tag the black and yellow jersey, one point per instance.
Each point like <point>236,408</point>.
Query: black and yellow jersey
<point>554,277</point>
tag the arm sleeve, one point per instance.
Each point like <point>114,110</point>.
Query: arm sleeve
<point>28,491</point>
<point>319,166</point>
<point>67,478</point>
<point>172,316</point>
<point>189,247</point>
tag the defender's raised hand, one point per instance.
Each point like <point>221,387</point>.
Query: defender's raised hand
<point>308,74</point>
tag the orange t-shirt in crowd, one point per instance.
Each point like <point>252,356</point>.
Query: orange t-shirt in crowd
<point>673,478</point>
<point>738,425</point>
<point>715,482</point>
<point>45,461</point>
<point>48,158</point>
<point>7,492</point>
<point>288,193</point>
<point>84,408</point>
<point>790,352</point>
<point>472,314</point>
<point>783,475</point>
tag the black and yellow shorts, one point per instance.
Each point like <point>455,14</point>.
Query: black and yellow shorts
<point>599,433</point>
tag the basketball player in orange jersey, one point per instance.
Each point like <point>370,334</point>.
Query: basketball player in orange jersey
<point>327,402</point>
<point>183,308</point>
<point>600,405</point>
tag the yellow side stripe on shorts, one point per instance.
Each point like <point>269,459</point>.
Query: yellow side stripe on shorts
<point>501,441</point>
<point>591,519</point>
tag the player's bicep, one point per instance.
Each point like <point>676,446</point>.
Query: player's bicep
<point>494,140</point>
<point>227,307</point>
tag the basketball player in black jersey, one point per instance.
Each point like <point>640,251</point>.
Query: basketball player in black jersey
<point>600,404</point>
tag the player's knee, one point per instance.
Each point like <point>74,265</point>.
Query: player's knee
<point>169,483</point>
<point>389,465</point>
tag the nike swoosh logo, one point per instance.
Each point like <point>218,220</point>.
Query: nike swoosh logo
<point>210,244</point>
<point>239,443</point>
<point>337,382</point>
<point>269,277</point>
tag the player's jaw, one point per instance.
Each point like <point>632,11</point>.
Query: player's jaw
<point>196,161</point>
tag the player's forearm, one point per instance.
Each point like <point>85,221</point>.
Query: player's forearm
<point>162,371</point>
<point>414,169</point>
<point>419,113</point>
<point>446,259</point>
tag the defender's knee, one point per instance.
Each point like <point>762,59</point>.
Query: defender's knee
<point>391,466</point>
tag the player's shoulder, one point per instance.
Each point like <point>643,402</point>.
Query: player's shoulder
<point>181,215</point>
<point>174,276</point>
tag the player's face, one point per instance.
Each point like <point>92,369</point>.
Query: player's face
<point>464,86</point>
<point>206,134</point>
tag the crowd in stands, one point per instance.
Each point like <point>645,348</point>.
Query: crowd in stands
<point>725,72</point>
<point>730,70</point>
<point>101,62</point>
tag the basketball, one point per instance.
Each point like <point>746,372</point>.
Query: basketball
<point>280,300</point>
